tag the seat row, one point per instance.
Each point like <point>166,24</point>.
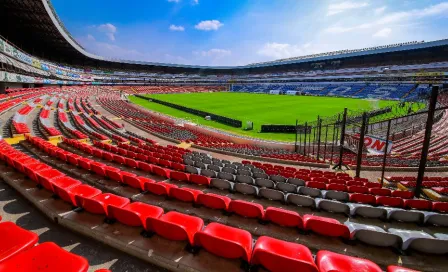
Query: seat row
<point>219,239</point>
<point>19,252</point>
<point>390,208</point>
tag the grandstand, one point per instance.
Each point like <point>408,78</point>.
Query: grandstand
<point>178,196</point>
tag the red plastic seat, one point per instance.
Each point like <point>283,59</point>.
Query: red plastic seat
<point>380,191</point>
<point>201,180</point>
<point>246,209</point>
<point>131,163</point>
<point>32,170</point>
<point>113,173</point>
<point>419,204</point>
<point>119,159</point>
<point>393,268</point>
<point>329,261</point>
<point>98,168</point>
<point>47,257</point>
<point>363,198</point>
<point>358,189</point>
<point>98,153</point>
<point>388,201</point>
<point>179,176</point>
<point>136,181</point>
<point>135,214</point>
<point>15,240</point>
<point>337,181</point>
<point>159,188</point>
<point>320,179</point>
<point>176,226</point>
<point>85,163</point>
<point>159,171</point>
<point>283,217</point>
<point>373,185</point>
<point>214,201</point>
<point>325,226</point>
<point>145,167</point>
<point>45,177</point>
<point>108,156</point>
<point>73,159</point>
<point>178,166</point>
<point>403,194</point>
<point>354,183</point>
<point>185,194</point>
<point>225,241</point>
<point>98,204</point>
<point>440,207</point>
<point>281,256</point>
<point>337,187</point>
<point>64,182</point>
<point>69,194</point>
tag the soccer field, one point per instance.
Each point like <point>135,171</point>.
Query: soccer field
<point>258,108</point>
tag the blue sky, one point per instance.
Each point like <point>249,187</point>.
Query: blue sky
<point>239,32</point>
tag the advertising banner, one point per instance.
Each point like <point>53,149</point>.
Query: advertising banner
<point>376,145</point>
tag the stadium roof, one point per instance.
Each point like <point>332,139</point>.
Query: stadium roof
<point>34,26</point>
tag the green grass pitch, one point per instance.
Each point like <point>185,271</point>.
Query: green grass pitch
<point>258,108</point>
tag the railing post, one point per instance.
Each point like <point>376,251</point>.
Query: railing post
<point>361,144</point>
<point>426,140</point>
<point>304,140</point>
<point>297,132</point>
<point>383,167</point>
<point>318,138</point>
<point>341,148</point>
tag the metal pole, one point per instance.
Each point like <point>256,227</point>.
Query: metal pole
<point>300,141</point>
<point>318,138</point>
<point>325,145</point>
<point>295,145</point>
<point>361,144</point>
<point>304,140</point>
<point>341,148</point>
<point>335,134</point>
<point>383,168</point>
<point>426,141</point>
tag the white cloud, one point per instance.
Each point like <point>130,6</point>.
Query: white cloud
<point>215,53</point>
<point>379,11</point>
<point>283,50</point>
<point>176,28</point>
<point>383,33</point>
<point>90,37</point>
<point>108,29</point>
<point>174,1</point>
<point>394,18</point>
<point>209,25</point>
<point>195,2</point>
<point>344,6</point>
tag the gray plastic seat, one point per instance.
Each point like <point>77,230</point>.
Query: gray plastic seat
<point>233,166</point>
<point>208,173</point>
<point>197,159</point>
<point>278,178</point>
<point>216,160</point>
<point>332,206</point>
<point>264,183</point>
<point>408,216</point>
<point>244,172</point>
<point>218,164</point>
<point>225,161</point>
<point>246,189</point>
<point>222,184</point>
<point>367,211</point>
<point>229,170</point>
<point>257,170</point>
<point>243,167</point>
<point>207,161</point>
<point>200,165</point>
<point>245,179</point>
<point>260,175</point>
<point>296,181</point>
<point>373,235</point>
<point>422,241</point>
<point>271,194</point>
<point>189,162</point>
<point>301,200</point>
<point>214,168</point>
<point>286,187</point>
<point>436,219</point>
<point>191,169</point>
<point>313,192</point>
<point>336,195</point>
<point>227,176</point>
<point>237,164</point>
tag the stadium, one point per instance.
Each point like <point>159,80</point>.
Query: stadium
<point>332,161</point>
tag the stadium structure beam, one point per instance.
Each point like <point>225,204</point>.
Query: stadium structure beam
<point>383,167</point>
<point>341,147</point>
<point>426,140</point>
